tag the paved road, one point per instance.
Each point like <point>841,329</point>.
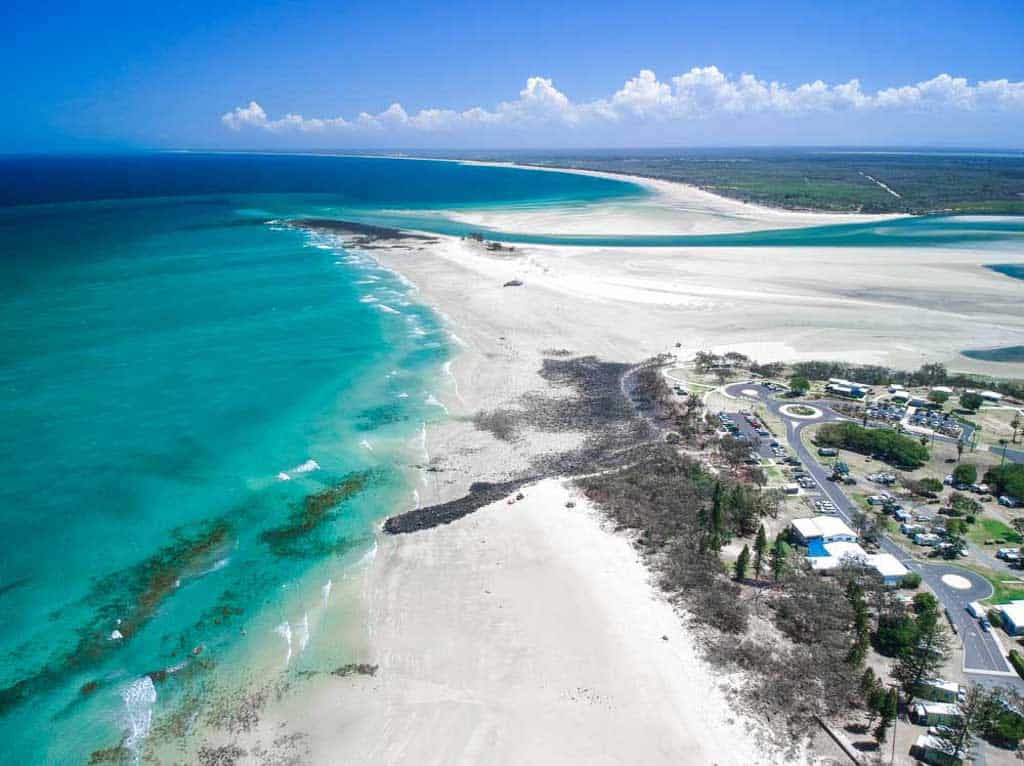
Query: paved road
<point>983,655</point>
<point>1013,455</point>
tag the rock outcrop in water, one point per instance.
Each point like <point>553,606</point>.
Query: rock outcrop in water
<point>366,233</point>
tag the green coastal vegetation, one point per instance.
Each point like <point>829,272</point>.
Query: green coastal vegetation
<point>932,374</point>
<point>894,181</point>
<point>1007,479</point>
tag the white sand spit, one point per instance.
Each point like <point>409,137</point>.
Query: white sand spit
<point>523,634</point>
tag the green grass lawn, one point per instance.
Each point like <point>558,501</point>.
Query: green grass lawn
<point>992,529</point>
<point>1004,588</point>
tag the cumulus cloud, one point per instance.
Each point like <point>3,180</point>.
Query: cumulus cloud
<point>700,93</point>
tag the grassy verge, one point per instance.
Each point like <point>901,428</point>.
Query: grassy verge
<point>992,529</point>
<point>1004,588</point>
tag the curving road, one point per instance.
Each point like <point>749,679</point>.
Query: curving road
<point>983,655</point>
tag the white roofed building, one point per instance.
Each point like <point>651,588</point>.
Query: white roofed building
<point>827,529</point>
<point>1013,617</point>
<point>827,557</point>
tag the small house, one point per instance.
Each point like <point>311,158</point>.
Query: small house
<point>935,713</point>
<point>937,690</point>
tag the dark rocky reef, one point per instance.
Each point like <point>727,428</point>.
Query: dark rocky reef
<point>480,494</point>
<point>365,232</point>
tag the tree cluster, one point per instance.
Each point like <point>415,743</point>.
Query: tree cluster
<point>1007,479</point>
<point>899,450</point>
<point>927,375</point>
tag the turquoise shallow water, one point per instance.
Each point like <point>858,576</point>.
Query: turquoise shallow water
<point>204,415</point>
<point>922,231</point>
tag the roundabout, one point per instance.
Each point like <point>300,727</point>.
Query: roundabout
<point>956,582</point>
<point>800,411</point>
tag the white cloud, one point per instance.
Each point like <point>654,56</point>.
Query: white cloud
<point>700,93</point>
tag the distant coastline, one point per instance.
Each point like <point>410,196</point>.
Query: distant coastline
<point>840,180</point>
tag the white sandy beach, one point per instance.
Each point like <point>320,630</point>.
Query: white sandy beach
<point>528,633</point>
<point>523,633</point>
<point>668,209</point>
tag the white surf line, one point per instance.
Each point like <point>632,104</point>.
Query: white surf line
<point>881,185</point>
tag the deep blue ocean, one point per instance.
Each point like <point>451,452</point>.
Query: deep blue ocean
<point>204,416</point>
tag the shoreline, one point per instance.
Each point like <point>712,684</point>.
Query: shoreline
<point>547,643</point>
<point>455,677</point>
<point>652,184</point>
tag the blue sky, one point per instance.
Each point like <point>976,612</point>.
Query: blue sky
<point>130,74</point>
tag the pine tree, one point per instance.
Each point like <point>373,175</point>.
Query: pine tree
<point>929,652</point>
<point>742,563</point>
<point>861,624</point>
<point>887,714</point>
<point>778,559</point>
<point>760,548</point>
<point>716,520</point>
<point>870,688</point>
<point>742,511</point>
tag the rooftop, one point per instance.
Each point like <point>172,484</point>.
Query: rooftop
<point>1015,611</point>
<point>887,565</point>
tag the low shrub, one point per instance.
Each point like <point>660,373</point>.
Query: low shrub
<point>1017,661</point>
<point>910,581</point>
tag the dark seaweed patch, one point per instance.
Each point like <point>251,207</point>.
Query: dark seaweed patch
<point>375,417</point>
<point>295,538</point>
<point>21,581</point>
<point>132,596</point>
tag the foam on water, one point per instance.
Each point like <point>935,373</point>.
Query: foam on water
<point>302,632</point>
<point>284,630</point>
<point>433,401</point>
<point>307,467</point>
<point>367,557</point>
<point>139,698</point>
